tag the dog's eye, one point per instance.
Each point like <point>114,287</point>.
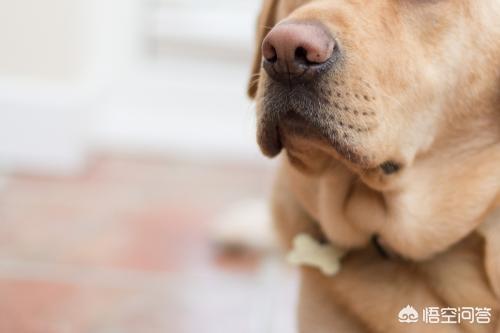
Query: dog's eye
<point>390,167</point>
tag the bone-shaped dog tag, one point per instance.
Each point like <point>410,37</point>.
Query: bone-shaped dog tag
<point>308,251</point>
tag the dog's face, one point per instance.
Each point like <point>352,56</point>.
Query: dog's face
<point>397,74</point>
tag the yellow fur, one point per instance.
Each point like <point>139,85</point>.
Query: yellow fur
<point>429,72</point>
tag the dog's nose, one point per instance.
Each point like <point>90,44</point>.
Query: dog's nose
<point>297,51</point>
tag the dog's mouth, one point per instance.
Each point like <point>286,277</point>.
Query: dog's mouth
<point>333,117</point>
<point>278,134</point>
<point>297,133</point>
<point>307,143</point>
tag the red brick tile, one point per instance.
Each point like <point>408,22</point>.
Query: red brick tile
<point>147,216</point>
<point>50,307</point>
<point>167,239</point>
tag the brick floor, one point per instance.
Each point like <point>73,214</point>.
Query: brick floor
<point>124,247</point>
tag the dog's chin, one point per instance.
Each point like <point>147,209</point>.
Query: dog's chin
<point>307,155</point>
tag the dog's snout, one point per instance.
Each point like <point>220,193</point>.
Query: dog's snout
<point>297,50</point>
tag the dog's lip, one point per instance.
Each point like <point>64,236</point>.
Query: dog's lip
<point>269,140</point>
<point>299,125</point>
<point>325,140</point>
<point>276,136</point>
<point>273,132</point>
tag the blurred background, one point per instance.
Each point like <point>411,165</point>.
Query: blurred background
<point>127,148</point>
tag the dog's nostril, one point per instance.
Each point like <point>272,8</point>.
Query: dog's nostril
<point>272,56</point>
<point>301,55</point>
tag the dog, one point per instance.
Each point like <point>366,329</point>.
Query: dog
<point>385,116</point>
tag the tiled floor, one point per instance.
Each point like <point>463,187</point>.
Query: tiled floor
<point>124,247</point>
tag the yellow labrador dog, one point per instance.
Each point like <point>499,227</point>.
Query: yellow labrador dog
<point>387,117</point>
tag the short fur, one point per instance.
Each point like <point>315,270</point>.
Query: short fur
<point>418,86</point>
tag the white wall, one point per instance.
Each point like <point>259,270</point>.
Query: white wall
<point>190,100</point>
<point>39,39</point>
<point>74,77</point>
<point>57,59</point>
<point>113,38</point>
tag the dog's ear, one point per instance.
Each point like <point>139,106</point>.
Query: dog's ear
<point>266,21</point>
<point>491,233</point>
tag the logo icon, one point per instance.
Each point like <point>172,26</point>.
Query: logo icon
<point>408,315</point>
